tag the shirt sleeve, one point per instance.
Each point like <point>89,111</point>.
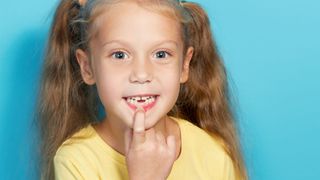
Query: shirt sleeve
<point>228,170</point>
<point>220,166</point>
<point>66,169</point>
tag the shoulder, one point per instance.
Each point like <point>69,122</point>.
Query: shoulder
<point>206,150</point>
<point>78,149</point>
<point>78,142</point>
<point>198,137</point>
<point>74,158</point>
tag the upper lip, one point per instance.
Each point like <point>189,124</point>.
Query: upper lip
<point>139,95</point>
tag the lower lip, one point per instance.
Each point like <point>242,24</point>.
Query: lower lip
<point>146,107</point>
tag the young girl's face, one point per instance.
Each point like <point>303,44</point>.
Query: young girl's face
<point>136,59</point>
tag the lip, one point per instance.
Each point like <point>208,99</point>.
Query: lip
<point>146,107</point>
<point>140,95</point>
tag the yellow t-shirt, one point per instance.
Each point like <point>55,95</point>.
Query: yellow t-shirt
<point>86,156</point>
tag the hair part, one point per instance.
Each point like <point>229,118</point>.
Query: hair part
<point>67,104</point>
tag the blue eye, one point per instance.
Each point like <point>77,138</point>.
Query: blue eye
<point>119,55</point>
<point>162,54</point>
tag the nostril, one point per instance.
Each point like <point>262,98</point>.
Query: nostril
<point>141,72</point>
<point>141,78</point>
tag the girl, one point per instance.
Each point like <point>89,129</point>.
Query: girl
<point>154,67</point>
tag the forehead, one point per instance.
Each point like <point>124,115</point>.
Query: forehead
<point>130,21</point>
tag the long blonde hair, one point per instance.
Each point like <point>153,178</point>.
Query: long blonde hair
<point>67,104</point>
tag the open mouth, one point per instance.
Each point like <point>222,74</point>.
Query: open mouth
<point>145,101</point>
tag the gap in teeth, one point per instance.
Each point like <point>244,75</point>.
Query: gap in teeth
<point>147,100</point>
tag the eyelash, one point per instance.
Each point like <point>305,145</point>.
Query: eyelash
<point>168,53</point>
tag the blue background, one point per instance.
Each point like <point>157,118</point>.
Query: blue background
<point>271,49</point>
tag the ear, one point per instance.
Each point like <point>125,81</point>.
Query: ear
<point>85,67</point>
<point>185,67</point>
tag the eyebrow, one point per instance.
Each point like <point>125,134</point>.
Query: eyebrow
<point>125,43</point>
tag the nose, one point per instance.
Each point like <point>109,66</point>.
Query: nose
<point>141,72</point>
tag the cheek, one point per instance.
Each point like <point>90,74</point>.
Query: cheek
<point>109,84</point>
<point>170,80</point>
<point>105,85</point>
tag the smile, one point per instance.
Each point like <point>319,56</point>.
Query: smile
<point>146,101</point>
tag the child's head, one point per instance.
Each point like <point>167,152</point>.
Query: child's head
<point>133,50</point>
<point>160,49</point>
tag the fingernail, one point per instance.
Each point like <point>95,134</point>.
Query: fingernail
<point>139,108</point>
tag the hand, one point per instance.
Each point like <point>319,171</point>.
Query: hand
<point>149,155</point>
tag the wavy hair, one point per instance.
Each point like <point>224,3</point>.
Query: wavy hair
<point>67,104</point>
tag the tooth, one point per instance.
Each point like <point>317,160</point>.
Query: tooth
<point>147,100</point>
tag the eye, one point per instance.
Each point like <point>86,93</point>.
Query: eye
<point>162,54</point>
<point>119,55</point>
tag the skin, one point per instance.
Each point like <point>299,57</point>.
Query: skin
<point>139,52</point>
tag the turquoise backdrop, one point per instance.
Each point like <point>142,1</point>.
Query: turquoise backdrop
<point>271,49</point>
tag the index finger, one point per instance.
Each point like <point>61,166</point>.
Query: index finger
<point>138,134</point>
